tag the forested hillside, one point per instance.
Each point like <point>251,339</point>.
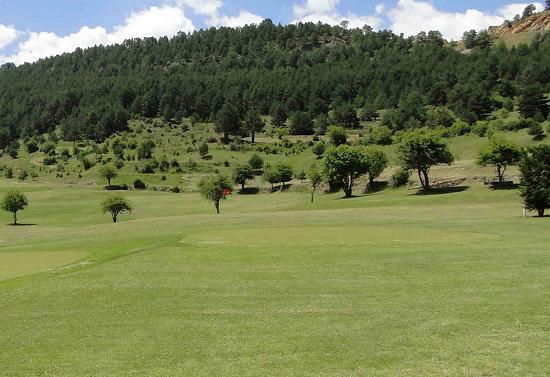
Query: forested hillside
<point>305,72</point>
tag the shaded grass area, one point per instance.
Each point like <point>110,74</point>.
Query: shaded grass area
<point>387,284</point>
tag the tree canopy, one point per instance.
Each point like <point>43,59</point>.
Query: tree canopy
<point>13,202</point>
<point>535,178</point>
<point>301,70</point>
<point>215,188</point>
<point>344,164</point>
<point>421,151</point>
<point>500,154</point>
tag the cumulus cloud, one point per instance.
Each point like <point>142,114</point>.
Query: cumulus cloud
<point>152,22</point>
<point>327,12</point>
<point>412,16</point>
<point>510,10</point>
<point>204,7</point>
<point>8,35</point>
<point>242,19</point>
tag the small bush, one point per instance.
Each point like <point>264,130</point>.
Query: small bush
<point>139,184</point>
<point>49,160</point>
<point>400,178</point>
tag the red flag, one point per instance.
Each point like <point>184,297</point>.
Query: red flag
<point>226,192</point>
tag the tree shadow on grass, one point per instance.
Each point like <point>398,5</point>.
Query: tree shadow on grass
<point>504,186</point>
<point>375,187</point>
<point>249,191</point>
<point>18,224</point>
<point>443,190</point>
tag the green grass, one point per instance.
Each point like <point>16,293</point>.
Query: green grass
<point>388,284</point>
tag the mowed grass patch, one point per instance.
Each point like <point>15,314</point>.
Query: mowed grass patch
<point>15,264</point>
<point>391,284</point>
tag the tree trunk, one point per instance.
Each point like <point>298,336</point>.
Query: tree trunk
<point>540,211</point>
<point>242,185</point>
<point>217,205</point>
<point>109,182</point>
<point>348,187</point>
<point>253,136</point>
<point>114,215</point>
<point>499,174</point>
<point>312,194</point>
<point>424,180</point>
<point>15,218</point>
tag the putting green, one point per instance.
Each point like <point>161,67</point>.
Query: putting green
<point>332,235</point>
<point>17,264</point>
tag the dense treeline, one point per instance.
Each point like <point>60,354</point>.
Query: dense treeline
<point>309,69</point>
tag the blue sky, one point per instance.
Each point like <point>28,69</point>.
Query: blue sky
<point>32,29</point>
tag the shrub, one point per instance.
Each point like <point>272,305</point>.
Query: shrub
<point>32,146</point>
<point>8,173</point>
<point>139,184</point>
<point>400,177</point>
<point>337,135</point>
<point>49,160</point>
<point>22,175</point>
<point>319,149</point>
<point>48,148</point>
<point>536,131</point>
<point>256,162</point>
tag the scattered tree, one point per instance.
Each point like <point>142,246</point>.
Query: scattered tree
<point>115,205</point>
<point>215,189</point>
<point>203,150</point>
<point>256,163</point>
<point>345,164</point>
<point>337,135</point>
<point>145,150</point>
<point>253,123</point>
<point>271,176</point>
<point>316,179</point>
<point>420,152</point>
<point>536,131</point>
<point>529,11</point>
<point>377,162</point>
<point>500,154</point>
<point>319,149</point>
<point>242,174</point>
<point>532,101</point>
<point>14,201</point>
<point>109,173</point>
<point>285,173</point>
<point>300,123</point>
<point>535,178</point>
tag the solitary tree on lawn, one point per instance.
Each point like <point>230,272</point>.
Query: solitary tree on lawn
<point>500,154</point>
<point>215,189</point>
<point>315,178</point>
<point>109,173</point>
<point>535,178</point>
<point>420,152</point>
<point>345,164</point>
<point>115,205</point>
<point>14,201</point>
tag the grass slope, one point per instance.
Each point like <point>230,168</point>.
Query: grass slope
<point>389,284</point>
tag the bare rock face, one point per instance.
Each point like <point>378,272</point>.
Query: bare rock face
<point>537,22</point>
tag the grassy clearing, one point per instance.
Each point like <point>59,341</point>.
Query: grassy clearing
<point>389,284</point>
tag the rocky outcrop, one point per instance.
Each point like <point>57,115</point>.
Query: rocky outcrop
<point>538,22</point>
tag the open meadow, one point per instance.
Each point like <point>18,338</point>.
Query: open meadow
<point>454,283</point>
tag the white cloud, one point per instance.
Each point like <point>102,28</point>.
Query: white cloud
<point>242,19</point>
<point>510,10</point>
<point>152,22</point>
<point>327,12</point>
<point>8,35</point>
<point>380,8</point>
<point>412,16</point>
<point>204,7</point>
